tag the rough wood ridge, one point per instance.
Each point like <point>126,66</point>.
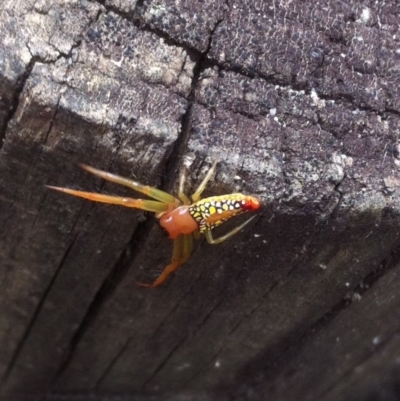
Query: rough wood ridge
<point>300,102</point>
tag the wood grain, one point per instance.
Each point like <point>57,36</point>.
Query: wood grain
<point>299,102</point>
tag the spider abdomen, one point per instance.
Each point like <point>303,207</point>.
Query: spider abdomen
<point>211,212</point>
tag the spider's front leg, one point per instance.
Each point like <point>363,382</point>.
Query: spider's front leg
<point>202,186</point>
<point>181,190</point>
<point>213,241</point>
<point>180,254</point>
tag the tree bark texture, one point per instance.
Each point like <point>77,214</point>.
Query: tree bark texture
<point>300,103</point>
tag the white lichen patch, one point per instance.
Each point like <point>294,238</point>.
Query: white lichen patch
<point>365,16</point>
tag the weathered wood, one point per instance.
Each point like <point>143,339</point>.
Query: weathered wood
<point>355,356</point>
<point>299,102</point>
<point>63,118</point>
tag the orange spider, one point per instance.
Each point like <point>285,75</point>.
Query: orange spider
<point>180,217</point>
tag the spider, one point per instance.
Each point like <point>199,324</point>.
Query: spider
<point>181,217</point>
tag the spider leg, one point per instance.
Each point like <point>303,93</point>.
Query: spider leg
<point>231,233</point>
<point>201,187</point>
<point>136,186</point>
<point>196,234</point>
<point>180,254</point>
<point>181,194</point>
<point>143,204</point>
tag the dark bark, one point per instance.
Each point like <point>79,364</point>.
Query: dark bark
<point>300,103</point>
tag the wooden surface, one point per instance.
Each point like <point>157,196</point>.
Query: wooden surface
<point>300,103</point>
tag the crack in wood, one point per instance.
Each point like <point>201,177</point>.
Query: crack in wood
<point>112,363</point>
<point>19,87</point>
<point>114,277</point>
<point>379,347</point>
<point>163,362</point>
<point>37,311</point>
<point>365,285</point>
